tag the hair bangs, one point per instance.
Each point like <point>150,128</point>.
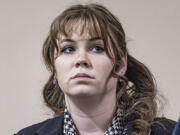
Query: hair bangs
<point>85,23</point>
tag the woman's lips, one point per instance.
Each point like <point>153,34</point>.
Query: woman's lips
<point>83,78</point>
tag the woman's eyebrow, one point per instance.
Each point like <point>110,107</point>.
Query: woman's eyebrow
<point>95,38</point>
<point>89,40</point>
<point>67,40</point>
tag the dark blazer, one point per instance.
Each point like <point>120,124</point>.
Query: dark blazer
<point>177,129</point>
<point>54,126</point>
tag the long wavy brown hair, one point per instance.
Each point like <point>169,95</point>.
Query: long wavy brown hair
<point>136,90</point>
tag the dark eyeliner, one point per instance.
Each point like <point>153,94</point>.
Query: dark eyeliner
<point>64,48</point>
<point>99,47</point>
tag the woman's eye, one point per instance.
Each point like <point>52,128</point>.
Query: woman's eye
<point>70,49</point>
<point>67,50</point>
<point>98,49</point>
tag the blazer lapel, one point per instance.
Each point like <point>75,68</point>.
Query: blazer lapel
<point>129,129</point>
<point>52,127</point>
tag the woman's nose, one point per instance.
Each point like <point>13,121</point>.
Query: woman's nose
<point>82,60</point>
<point>82,63</point>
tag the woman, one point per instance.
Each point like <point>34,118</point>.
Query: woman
<point>96,87</point>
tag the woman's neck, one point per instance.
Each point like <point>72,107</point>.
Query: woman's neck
<point>92,115</point>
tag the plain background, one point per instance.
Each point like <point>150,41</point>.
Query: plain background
<point>151,25</point>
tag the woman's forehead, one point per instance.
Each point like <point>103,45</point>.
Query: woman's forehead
<point>80,28</point>
<point>78,36</point>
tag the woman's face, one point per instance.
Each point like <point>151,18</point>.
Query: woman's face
<point>83,54</point>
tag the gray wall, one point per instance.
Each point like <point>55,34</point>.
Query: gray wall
<point>152,26</point>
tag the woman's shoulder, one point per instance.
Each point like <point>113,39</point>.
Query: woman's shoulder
<point>162,126</point>
<point>43,127</point>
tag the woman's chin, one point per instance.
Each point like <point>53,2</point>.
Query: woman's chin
<point>82,93</point>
